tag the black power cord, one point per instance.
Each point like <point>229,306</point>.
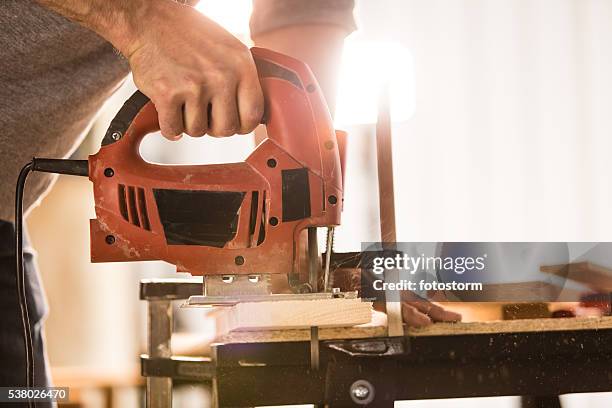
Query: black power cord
<point>60,166</point>
<point>21,290</point>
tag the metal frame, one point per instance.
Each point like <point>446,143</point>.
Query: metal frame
<point>375,372</point>
<point>159,295</point>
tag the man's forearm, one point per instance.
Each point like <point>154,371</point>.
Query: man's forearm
<point>201,79</point>
<point>117,21</point>
<point>318,45</point>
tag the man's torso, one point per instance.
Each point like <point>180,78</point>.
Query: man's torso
<point>54,77</point>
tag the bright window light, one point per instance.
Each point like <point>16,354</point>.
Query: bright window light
<point>366,68</point>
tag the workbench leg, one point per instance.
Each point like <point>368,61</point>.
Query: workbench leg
<point>540,401</point>
<point>159,389</point>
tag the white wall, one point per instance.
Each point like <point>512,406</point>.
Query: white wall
<point>512,130</point>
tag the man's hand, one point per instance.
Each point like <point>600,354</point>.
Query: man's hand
<point>418,312</point>
<point>200,77</point>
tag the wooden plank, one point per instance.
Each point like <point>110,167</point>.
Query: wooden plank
<point>596,277</point>
<point>514,326</point>
<point>527,310</point>
<point>378,329</point>
<point>327,333</point>
<point>528,291</point>
<point>293,314</point>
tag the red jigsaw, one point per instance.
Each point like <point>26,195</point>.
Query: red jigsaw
<point>236,218</point>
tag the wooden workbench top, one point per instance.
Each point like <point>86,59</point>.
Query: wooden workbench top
<point>514,326</point>
<point>378,329</point>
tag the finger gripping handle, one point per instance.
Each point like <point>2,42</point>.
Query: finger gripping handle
<point>296,115</point>
<point>138,116</point>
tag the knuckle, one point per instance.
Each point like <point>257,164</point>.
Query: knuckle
<point>194,85</point>
<point>226,84</point>
<point>196,132</point>
<point>225,129</point>
<point>253,117</point>
<point>218,75</point>
<point>241,52</point>
<point>192,78</point>
<point>168,133</point>
<point>213,130</point>
<point>161,87</point>
<point>169,128</point>
<point>408,309</point>
<point>247,127</point>
<point>165,99</point>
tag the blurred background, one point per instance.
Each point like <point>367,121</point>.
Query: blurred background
<point>501,132</point>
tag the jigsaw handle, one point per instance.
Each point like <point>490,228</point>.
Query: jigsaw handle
<point>296,117</point>
<point>228,217</point>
